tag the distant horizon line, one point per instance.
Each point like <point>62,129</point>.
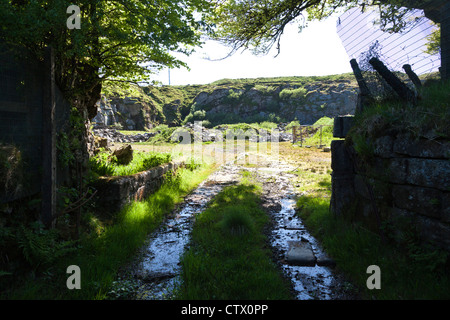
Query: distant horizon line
<point>255,78</point>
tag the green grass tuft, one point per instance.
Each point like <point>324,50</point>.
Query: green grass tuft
<point>228,258</point>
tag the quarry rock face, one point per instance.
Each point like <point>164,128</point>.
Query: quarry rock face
<point>319,99</point>
<point>126,113</point>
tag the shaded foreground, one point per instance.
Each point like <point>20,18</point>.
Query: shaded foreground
<point>241,245</point>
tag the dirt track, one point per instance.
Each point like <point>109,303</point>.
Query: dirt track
<point>157,269</point>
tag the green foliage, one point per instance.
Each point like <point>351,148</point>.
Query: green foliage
<point>267,125</point>
<point>99,255</point>
<point>323,136</point>
<point>291,124</point>
<point>293,94</point>
<point>265,89</point>
<point>122,289</point>
<point>223,118</point>
<point>324,121</point>
<point>233,97</point>
<point>103,164</point>
<point>69,143</point>
<point>430,116</point>
<point>123,41</point>
<point>42,247</point>
<point>192,164</point>
<point>259,26</point>
<point>199,115</point>
<point>164,135</point>
<point>65,155</point>
<point>363,148</point>
<point>434,41</point>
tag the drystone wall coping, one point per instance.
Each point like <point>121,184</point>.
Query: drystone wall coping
<point>113,193</point>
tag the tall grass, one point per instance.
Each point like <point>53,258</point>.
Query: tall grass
<point>323,134</point>
<point>103,163</point>
<point>429,118</point>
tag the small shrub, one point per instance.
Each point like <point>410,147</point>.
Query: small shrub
<point>199,115</point>
<point>192,164</point>
<point>293,94</point>
<point>233,96</point>
<point>266,90</point>
<point>291,124</point>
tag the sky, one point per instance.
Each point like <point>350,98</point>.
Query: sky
<point>317,50</point>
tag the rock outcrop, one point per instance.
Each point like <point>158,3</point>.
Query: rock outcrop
<point>128,113</point>
<point>254,100</point>
<point>319,100</point>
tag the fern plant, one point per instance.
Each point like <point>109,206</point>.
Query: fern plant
<point>42,247</point>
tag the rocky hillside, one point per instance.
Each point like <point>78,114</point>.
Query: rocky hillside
<point>305,99</point>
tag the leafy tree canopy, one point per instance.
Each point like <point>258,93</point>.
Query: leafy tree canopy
<point>259,24</point>
<point>121,40</point>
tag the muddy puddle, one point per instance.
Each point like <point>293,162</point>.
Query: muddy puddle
<point>298,254</point>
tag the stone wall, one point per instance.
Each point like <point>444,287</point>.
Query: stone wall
<point>115,192</point>
<point>404,186</point>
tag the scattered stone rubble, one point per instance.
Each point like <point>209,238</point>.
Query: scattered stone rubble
<point>112,135</point>
<point>207,135</point>
<point>211,135</point>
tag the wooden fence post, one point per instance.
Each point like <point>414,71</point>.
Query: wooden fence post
<point>412,76</point>
<point>48,188</point>
<point>301,137</point>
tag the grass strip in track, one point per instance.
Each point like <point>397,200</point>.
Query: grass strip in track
<point>229,257</point>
